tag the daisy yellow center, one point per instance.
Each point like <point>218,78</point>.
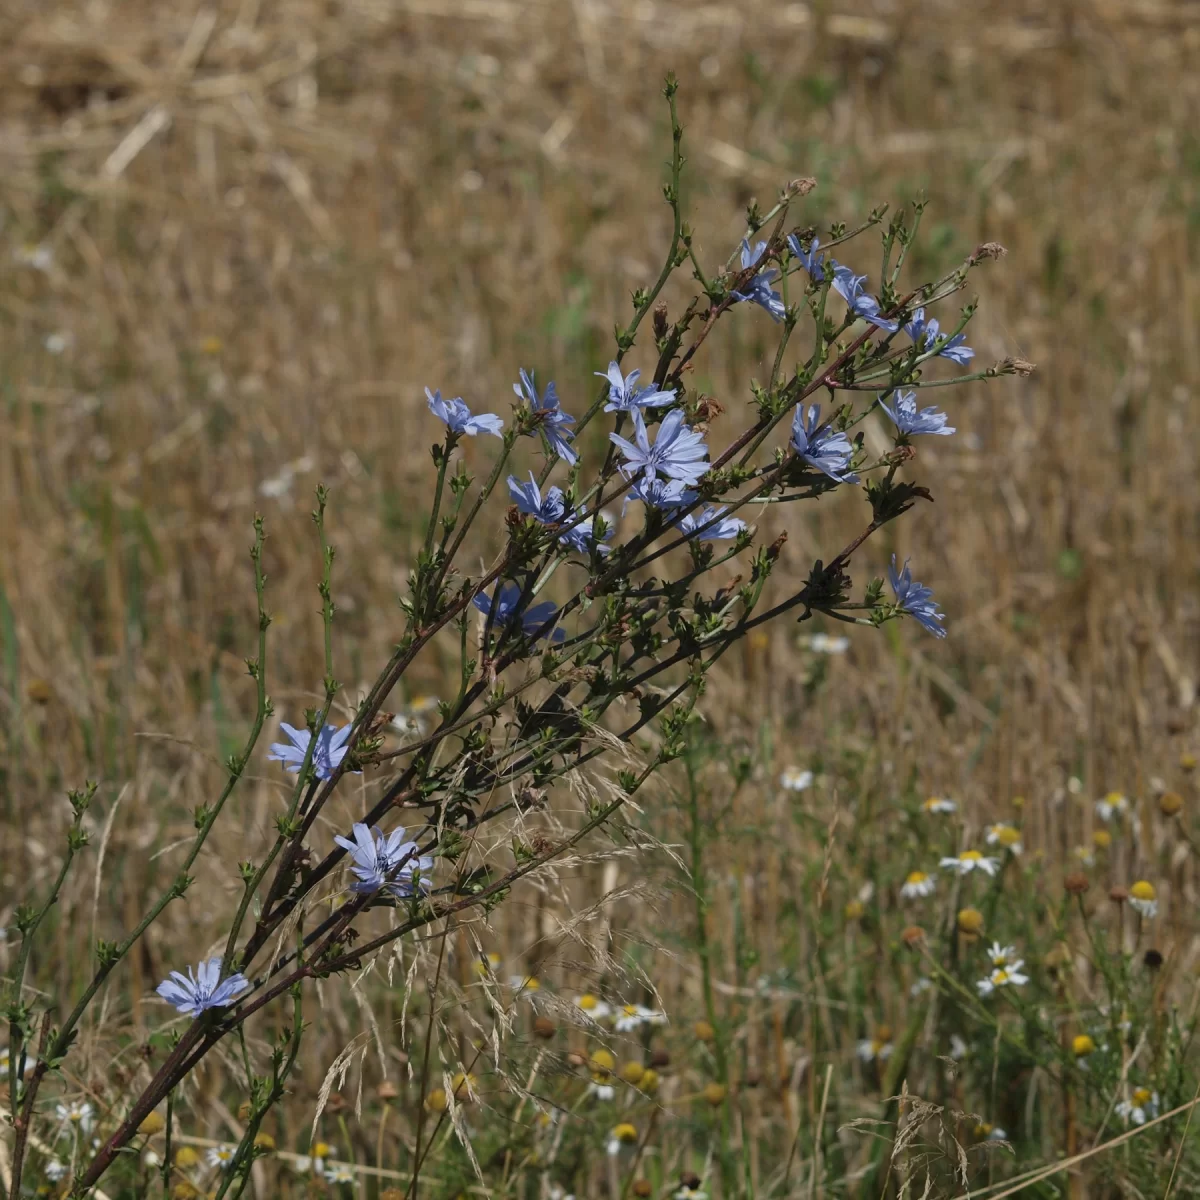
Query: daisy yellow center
<point>970,856</point>
<point>1000,960</point>
<point>1083,1045</point>
<point>625,1132</point>
<point>1007,835</point>
<point>602,1060</point>
<point>320,1150</point>
<point>1115,799</point>
<point>1102,838</point>
<point>932,802</point>
<point>999,976</point>
<point>1142,890</point>
<point>630,1010</point>
<point>917,877</point>
<point>1141,1097</point>
<point>587,1002</point>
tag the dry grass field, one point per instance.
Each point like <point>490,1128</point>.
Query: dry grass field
<point>237,241</point>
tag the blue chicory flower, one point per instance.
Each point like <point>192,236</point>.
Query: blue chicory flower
<point>916,599</point>
<point>192,994</point>
<point>385,862</point>
<point>809,259</point>
<point>549,510</point>
<point>909,420</point>
<point>758,290</point>
<point>458,416</point>
<point>850,287</point>
<point>822,446</point>
<point>582,537</point>
<point>624,395</point>
<point>555,423</point>
<point>919,328</point>
<point>678,451</point>
<point>718,529</point>
<point>659,493</point>
<point>504,602</point>
<point>327,754</point>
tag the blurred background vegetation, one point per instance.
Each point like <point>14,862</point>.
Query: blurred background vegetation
<point>237,241</point>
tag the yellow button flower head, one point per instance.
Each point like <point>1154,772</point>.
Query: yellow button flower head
<point>970,920</point>
<point>649,1081</point>
<point>602,1060</point>
<point>1102,839</point>
<point>152,1123</point>
<point>625,1132</point>
<point>714,1093</point>
<point>854,910</point>
<point>704,1031</point>
<point>186,1157</point>
<point>1082,1045</point>
<point>632,1072</point>
<point>1170,804</point>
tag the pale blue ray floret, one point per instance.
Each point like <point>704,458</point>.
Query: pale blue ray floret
<point>502,606</point>
<point>719,527</point>
<point>385,861</point>
<point>548,509</point>
<point>327,753</point>
<point>624,395</point>
<point>192,994</point>
<point>678,451</point>
<point>809,259</point>
<point>758,290</point>
<point>953,349</point>
<point>582,537</point>
<point>908,419</point>
<point>659,493</point>
<point>554,423</point>
<point>458,416</point>
<point>916,599</point>
<point>850,287</point>
<point>822,446</point>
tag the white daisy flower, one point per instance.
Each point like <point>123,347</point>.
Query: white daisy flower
<point>221,1156</point>
<point>938,804</point>
<point>1144,899</point>
<point>30,1062</point>
<point>917,884</point>
<point>687,1193</point>
<point>634,1016</point>
<point>1141,1105</point>
<point>593,1007</point>
<point>487,965</point>
<point>339,1172</point>
<point>601,1088</point>
<point>958,1047</point>
<point>1112,805</point>
<point>524,983</point>
<point>621,1135</point>
<point>794,779</point>
<point>54,1170</point>
<point>1009,976</point>
<point>996,1134</point>
<point>921,986</point>
<point>1005,835</point>
<point>971,860</point>
<point>878,1048</point>
<point>78,1115</point>
<point>823,643</point>
<point>1002,956</point>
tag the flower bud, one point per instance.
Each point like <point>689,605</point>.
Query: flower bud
<point>1170,804</point>
<point>632,1072</point>
<point>970,921</point>
<point>152,1123</point>
<point>1082,1045</point>
<point>714,1093</point>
